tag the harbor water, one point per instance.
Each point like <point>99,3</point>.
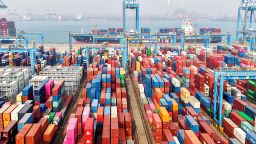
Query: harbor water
<point>57,31</point>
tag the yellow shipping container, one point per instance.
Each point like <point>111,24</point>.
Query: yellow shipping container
<point>164,114</point>
<point>184,92</point>
<point>137,66</point>
<point>6,123</point>
<point>19,98</point>
<point>174,105</point>
<point>7,113</point>
<point>184,99</point>
<point>122,72</point>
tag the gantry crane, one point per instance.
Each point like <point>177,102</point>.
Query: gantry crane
<point>2,5</point>
<point>133,5</point>
<point>225,74</point>
<point>246,20</point>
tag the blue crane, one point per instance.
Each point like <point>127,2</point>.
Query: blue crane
<point>246,20</point>
<point>28,34</point>
<point>133,5</point>
<point>224,74</point>
<point>31,51</point>
<point>2,5</point>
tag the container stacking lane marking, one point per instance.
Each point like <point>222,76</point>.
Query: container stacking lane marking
<point>142,130</point>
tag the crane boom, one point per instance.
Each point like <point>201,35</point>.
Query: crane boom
<point>2,5</point>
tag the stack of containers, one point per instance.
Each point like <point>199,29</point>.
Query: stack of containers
<point>251,90</point>
<point>184,95</point>
<point>185,77</point>
<point>48,88</point>
<point>57,93</point>
<point>102,109</point>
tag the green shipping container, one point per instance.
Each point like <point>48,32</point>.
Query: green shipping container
<point>245,116</point>
<point>246,126</point>
<point>251,92</point>
<point>227,112</point>
<point>252,82</point>
<point>113,101</point>
<point>122,83</point>
<point>149,52</point>
<point>51,117</point>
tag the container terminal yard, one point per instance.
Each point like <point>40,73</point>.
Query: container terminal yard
<point>126,87</point>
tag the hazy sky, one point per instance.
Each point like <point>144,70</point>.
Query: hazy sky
<point>211,7</point>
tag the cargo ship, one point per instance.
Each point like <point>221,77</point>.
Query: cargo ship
<point>188,29</point>
<point>7,30</point>
<point>112,35</point>
<point>109,35</point>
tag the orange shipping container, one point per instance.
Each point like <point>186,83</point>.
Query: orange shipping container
<point>174,105</point>
<point>20,137</point>
<point>35,135</point>
<point>190,137</point>
<point>49,133</point>
<point>44,123</point>
<point>2,110</point>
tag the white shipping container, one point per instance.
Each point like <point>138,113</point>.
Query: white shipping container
<point>240,135</point>
<point>141,88</point>
<point>14,113</point>
<point>227,106</point>
<point>206,88</point>
<point>114,111</point>
<point>140,58</point>
<point>176,82</point>
<point>152,60</point>
<point>195,103</point>
<point>176,140</point>
<point>254,124</point>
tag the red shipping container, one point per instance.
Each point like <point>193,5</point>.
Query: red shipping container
<point>206,139</point>
<point>106,120</point>
<point>228,127</point>
<point>114,140</point>
<point>236,118</point>
<point>78,115</point>
<point>121,134</point>
<point>106,134</point>
<point>166,125</point>
<point>123,91</point>
<point>191,111</point>
<point>205,128</point>
<point>182,123</point>
<point>121,120</point>
<point>89,129</point>
<point>100,114</point>
<point>175,116</point>
<point>114,128</point>
<point>239,104</point>
<point>128,122</point>
<point>167,136</point>
<point>173,128</point>
<point>44,124</point>
<point>80,102</point>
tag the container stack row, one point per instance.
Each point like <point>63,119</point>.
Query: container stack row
<point>177,95</point>
<point>36,115</point>
<point>102,114</point>
<point>72,76</point>
<point>12,81</point>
